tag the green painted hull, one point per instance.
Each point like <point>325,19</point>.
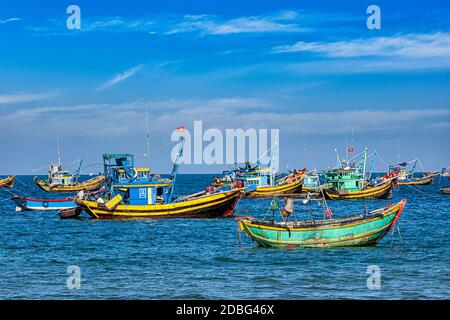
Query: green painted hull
<point>353,231</point>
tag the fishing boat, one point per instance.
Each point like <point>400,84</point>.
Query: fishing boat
<point>445,173</point>
<point>262,181</point>
<point>311,182</point>
<point>7,182</point>
<point>352,182</point>
<point>363,229</point>
<point>380,191</point>
<point>425,179</point>
<point>70,213</point>
<point>445,190</point>
<point>134,193</point>
<point>23,203</point>
<point>60,180</point>
<point>407,174</point>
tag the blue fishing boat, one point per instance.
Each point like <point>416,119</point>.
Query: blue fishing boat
<point>311,182</point>
<point>23,203</point>
<point>262,181</point>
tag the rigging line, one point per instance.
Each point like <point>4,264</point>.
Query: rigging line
<point>382,160</point>
<point>24,183</point>
<point>424,192</point>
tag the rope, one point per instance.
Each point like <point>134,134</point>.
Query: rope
<point>424,192</point>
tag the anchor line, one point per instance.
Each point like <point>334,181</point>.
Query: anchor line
<point>424,192</point>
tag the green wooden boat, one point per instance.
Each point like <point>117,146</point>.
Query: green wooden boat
<point>357,230</point>
<point>348,176</point>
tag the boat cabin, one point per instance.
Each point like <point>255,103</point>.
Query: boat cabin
<point>58,176</point>
<point>136,185</point>
<point>343,179</point>
<point>259,178</point>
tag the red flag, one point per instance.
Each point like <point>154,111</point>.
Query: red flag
<point>329,213</point>
<point>350,149</point>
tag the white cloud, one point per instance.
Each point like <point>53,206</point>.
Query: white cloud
<point>212,25</point>
<point>8,20</point>
<point>412,45</point>
<point>224,112</point>
<point>120,77</point>
<point>25,97</point>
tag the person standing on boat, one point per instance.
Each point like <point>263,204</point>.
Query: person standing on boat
<point>288,208</point>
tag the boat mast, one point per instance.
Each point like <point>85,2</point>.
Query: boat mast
<point>176,162</point>
<point>58,152</point>
<point>337,158</point>
<point>148,141</point>
<point>346,144</point>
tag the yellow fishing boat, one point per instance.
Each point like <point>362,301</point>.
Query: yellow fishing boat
<point>7,182</point>
<point>380,191</point>
<point>88,185</point>
<point>285,186</point>
<point>142,195</point>
<point>201,205</point>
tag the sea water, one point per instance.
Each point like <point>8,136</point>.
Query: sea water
<point>204,259</point>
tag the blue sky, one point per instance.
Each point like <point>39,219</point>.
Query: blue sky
<point>310,68</point>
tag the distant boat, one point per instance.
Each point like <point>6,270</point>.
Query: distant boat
<point>7,182</point>
<point>23,203</point>
<point>311,182</point>
<point>262,181</point>
<point>357,230</point>
<point>445,190</point>
<point>406,175</point>
<point>60,180</point>
<point>351,182</point>
<point>381,191</point>
<point>445,173</point>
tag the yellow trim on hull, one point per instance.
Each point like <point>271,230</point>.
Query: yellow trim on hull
<point>88,185</point>
<point>274,190</point>
<point>392,210</point>
<point>7,182</point>
<point>370,192</point>
<point>157,210</point>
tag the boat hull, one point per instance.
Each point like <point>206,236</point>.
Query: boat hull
<point>417,182</point>
<point>358,230</point>
<point>209,206</point>
<point>383,191</point>
<point>43,204</point>
<point>88,185</point>
<point>7,182</point>
<point>270,191</point>
<point>70,213</point>
<point>445,190</point>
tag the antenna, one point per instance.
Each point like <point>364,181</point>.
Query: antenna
<point>346,144</point>
<point>398,150</point>
<point>148,140</point>
<point>305,159</point>
<point>58,152</point>
<point>353,139</point>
